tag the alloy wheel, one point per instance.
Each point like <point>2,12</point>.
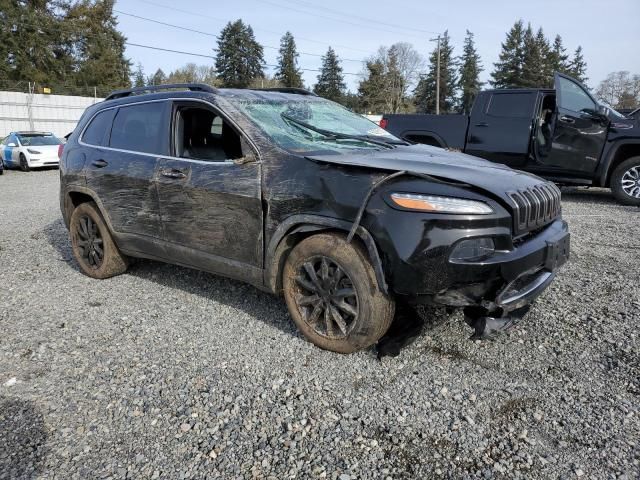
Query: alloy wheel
<point>327,300</point>
<point>631,182</point>
<point>90,242</point>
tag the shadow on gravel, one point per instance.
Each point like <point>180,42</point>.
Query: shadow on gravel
<point>407,326</point>
<point>22,439</point>
<point>588,195</point>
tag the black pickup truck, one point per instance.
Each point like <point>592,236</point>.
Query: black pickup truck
<point>562,134</point>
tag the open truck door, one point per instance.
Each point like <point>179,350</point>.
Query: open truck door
<point>580,130</point>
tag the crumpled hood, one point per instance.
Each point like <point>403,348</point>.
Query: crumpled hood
<point>444,164</point>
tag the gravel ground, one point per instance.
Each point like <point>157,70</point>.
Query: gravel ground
<point>166,372</point>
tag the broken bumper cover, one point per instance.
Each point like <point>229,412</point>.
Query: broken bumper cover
<point>509,280</point>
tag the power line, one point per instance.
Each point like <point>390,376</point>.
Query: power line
<point>216,36</point>
<point>342,20</point>
<point>366,19</point>
<point>203,15</point>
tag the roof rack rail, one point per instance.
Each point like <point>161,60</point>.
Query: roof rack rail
<point>194,87</point>
<point>298,91</point>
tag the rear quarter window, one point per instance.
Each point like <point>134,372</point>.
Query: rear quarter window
<point>97,132</point>
<point>513,105</point>
<point>140,128</point>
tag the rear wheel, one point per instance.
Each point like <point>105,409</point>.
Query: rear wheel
<point>93,247</point>
<point>625,182</point>
<point>24,165</point>
<point>333,296</point>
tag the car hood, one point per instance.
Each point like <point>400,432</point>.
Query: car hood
<point>443,164</point>
<point>43,148</point>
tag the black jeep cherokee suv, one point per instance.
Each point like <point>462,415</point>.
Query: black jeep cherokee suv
<point>295,194</point>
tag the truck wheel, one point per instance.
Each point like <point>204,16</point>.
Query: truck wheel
<point>333,296</point>
<point>93,248</point>
<point>625,182</point>
<point>24,165</point>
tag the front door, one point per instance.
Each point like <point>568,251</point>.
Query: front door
<point>128,142</point>
<point>580,132</point>
<point>11,151</point>
<point>210,194</point>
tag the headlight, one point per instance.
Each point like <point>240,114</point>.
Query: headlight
<point>431,203</point>
<point>473,249</point>
<point>34,152</point>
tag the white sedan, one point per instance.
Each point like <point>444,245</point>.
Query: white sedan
<point>29,150</point>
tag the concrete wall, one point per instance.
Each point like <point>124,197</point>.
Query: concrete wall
<point>49,113</point>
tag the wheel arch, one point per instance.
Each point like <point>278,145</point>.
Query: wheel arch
<point>298,227</point>
<point>76,195</point>
<point>618,153</point>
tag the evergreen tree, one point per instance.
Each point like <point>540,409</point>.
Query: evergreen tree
<point>508,70</point>
<point>425,91</point>
<point>138,77</point>
<point>330,80</point>
<point>100,46</point>
<point>158,78</point>
<point>578,66</point>
<point>372,89</point>
<point>535,71</point>
<point>558,58</point>
<point>240,57</point>
<point>287,72</point>
<point>470,68</point>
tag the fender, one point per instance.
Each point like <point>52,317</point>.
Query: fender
<point>87,191</point>
<point>312,223</point>
<point>604,169</point>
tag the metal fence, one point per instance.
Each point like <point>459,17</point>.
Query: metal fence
<point>41,112</point>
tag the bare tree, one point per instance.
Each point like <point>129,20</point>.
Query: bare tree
<point>620,90</point>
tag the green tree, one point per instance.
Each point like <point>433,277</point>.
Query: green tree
<point>470,68</point>
<point>425,91</point>
<point>372,89</point>
<point>578,66</point>
<point>558,58</point>
<point>287,72</point>
<point>535,68</point>
<point>330,80</point>
<point>240,57</point>
<point>192,73</point>
<point>100,46</point>
<point>158,78</point>
<point>139,79</point>
<point>508,69</point>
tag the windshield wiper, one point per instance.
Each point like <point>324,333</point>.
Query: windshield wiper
<point>336,135</point>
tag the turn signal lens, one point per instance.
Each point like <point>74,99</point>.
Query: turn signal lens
<point>431,203</point>
<point>60,150</point>
<point>33,152</point>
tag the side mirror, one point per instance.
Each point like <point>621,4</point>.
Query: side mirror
<point>602,110</point>
<point>11,145</point>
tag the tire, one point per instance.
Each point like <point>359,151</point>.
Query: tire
<point>365,312</point>
<point>622,186</point>
<point>90,236</point>
<point>24,165</point>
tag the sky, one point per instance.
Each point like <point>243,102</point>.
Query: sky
<point>607,31</point>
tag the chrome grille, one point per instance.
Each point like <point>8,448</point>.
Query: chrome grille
<point>535,206</point>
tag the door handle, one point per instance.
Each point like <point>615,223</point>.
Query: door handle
<point>481,124</point>
<point>566,119</point>
<point>172,173</point>
<point>100,163</point>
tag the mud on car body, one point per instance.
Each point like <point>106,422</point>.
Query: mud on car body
<point>297,195</point>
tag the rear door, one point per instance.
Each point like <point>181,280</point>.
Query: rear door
<point>500,127</point>
<point>580,132</point>
<point>127,144</point>
<point>210,193</point>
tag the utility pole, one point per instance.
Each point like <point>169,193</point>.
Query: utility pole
<point>437,75</point>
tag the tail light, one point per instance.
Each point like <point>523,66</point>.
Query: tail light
<point>60,150</point>
<point>383,123</point>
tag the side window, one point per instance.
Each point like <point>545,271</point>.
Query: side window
<point>513,105</point>
<point>4,141</point>
<point>97,133</point>
<point>139,128</point>
<point>573,97</point>
<point>201,134</point>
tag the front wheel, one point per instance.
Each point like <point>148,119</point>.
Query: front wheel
<point>333,295</point>
<point>92,244</point>
<point>24,164</point>
<point>625,182</point>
